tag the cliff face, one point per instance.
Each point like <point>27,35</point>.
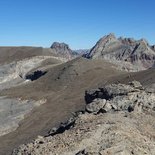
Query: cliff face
<point>127,53</point>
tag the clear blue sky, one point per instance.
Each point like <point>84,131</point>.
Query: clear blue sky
<point>80,23</point>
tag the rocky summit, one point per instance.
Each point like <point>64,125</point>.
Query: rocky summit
<point>127,53</point>
<point>63,50</point>
<point>118,120</point>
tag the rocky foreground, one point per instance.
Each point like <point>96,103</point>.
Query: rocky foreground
<point>118,120</point>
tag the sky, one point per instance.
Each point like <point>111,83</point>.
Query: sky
<point>79,23</point>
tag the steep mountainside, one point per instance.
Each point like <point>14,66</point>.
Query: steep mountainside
<point>127,53</point>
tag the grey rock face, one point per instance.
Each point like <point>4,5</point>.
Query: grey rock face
<point>108,92</point>
<point>101,46</point>
<point>120,97</point>
<point>63,50</point>
<point>127,53</point>
<point>92,94</point>
<point>95,106</point>
<point>113,90</point>
<point>60,46</point>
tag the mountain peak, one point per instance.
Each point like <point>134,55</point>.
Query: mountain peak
<point>103,44</point>
<point>63,49</point>
<point>58,46</point>
<point>112,35</point>
<point>144,41</point>
<point>108,38</point>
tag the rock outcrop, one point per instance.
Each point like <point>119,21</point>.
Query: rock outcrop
<point>119,121</point>
<point>63,50</point>
<point>120,97</point>
<point>127,53</point>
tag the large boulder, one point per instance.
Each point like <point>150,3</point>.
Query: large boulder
<point>95,106</point>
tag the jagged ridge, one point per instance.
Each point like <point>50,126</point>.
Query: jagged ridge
<point>127,53</point>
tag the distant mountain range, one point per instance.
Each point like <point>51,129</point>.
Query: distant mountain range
<point>127,53</point>
<point>82,51</point>
<point>64,50</point>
